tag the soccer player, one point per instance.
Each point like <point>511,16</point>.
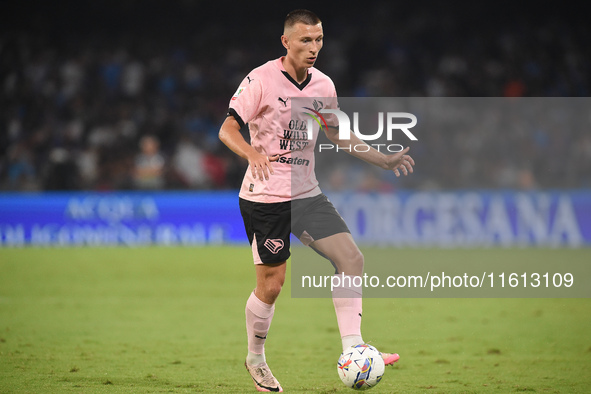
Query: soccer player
<point>268,194</point>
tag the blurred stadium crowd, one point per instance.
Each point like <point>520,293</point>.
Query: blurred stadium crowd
<point>140,107</point>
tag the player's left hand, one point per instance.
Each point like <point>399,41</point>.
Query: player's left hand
<point>400,162</point>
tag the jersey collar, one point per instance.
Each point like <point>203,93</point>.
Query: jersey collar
<point>300,86</point>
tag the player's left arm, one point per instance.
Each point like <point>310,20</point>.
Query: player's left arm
<point>398,162</point>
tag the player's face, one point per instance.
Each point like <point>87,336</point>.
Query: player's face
<point>303,42</point>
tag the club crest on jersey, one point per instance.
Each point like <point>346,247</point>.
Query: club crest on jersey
<point>274,245</point>
<point>240,90</point>
<point>318,105</point>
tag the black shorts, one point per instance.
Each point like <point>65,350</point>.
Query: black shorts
<point>268,225</point>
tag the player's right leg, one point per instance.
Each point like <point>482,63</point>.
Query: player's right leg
<point>268,230</point>
<point>260,309</point>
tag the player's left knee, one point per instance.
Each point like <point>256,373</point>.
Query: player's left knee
<point>353,264</point>
<point>357,258</point>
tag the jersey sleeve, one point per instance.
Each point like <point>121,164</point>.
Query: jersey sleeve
<point>245,104</point>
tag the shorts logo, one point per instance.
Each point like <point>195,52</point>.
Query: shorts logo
<point>274,245</point>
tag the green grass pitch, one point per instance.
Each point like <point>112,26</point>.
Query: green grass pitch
<point>150,320</point>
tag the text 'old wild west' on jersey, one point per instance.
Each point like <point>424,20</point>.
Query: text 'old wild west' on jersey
<point>264,102</point>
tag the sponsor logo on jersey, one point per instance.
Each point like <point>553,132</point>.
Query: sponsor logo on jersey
<point>293,139</point>
<point>274,245</point>
<point>294,161</point>
<point>292,145</point>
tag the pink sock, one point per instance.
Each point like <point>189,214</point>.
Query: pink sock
<point>258,321</point>
<point>348,307</point>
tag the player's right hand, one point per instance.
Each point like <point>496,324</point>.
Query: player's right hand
<point>260,165</point>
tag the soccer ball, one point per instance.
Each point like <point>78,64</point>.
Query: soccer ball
<point>361,367</point>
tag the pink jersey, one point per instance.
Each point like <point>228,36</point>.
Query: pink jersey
<point>263,100</point>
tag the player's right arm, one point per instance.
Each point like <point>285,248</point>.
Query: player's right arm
<point>260,164</point>
<point>244,106</point>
